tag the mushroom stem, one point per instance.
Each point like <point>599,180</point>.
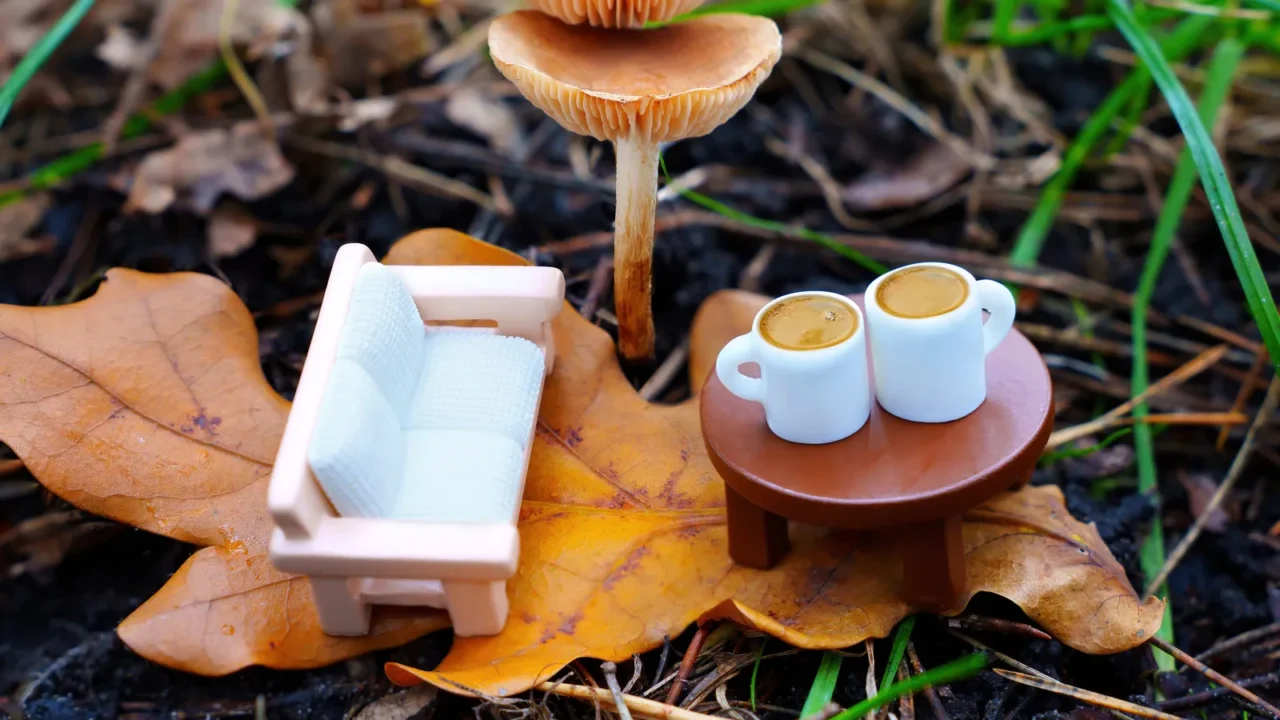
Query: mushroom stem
<point>637,183</point>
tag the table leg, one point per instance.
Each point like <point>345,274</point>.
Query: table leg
<point>933,572</point>
<point>757,537</point>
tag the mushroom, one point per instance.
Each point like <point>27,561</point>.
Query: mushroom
<point>636,88</point>
<point>614,13</point>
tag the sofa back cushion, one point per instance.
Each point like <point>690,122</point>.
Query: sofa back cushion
<point>478,381</point>
<point>357,451</point>
<point>384,334</point>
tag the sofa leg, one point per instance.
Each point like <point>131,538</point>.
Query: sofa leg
<point>342,610</point>
<point>476,608</point>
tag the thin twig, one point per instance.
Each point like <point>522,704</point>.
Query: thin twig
<point>1233,474</point>
<point>978,622</point>
<point>131,95</point>
<point>10,467</point>
<point>906,703</point>
<point>930,693</point>
<point>883,248</point>
<point>895,100</point>
<point>1246,391</point>
<point>1214,675</point>
<point>611,679</point>
<point>1087,696</point>
<point>640,706</point>
<point>418,178</point>
<point>1193,367</point>
<point>238,74</point>
<point>686,663</point>
<point>1241,640</point>
<point>1195,700</point>
<point>666,372</point>
<point>601,279</point>
<point>749,280</point>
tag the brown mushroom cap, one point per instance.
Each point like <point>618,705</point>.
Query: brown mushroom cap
<point>614,13</point>
<point>658,85</point>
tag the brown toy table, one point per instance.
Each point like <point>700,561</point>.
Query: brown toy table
<point>916,478</point>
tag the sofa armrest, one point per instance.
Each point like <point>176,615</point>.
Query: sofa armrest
<point>401,549</point>
<point>521,300</point>
<point>294,499</point>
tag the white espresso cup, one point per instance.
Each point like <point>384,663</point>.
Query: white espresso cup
<point>929,343</point>
<point>812,395</point>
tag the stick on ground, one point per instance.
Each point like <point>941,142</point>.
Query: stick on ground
<point>1233,474</point>
<point>1214,675</point>
<point>1086,696</point>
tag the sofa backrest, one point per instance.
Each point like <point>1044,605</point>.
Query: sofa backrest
<point>357,449</point>
<point>384,334</point>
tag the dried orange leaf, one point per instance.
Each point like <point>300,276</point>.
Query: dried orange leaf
<point>623,538</point>
<point>146,404</point>
<point>227,609</point>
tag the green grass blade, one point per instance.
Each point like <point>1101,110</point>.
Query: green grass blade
<point>1132,116</point>
<point>1003,22</point>
<point>824,684</point>
<point>941,675</point>
<point>1222,68</point>
<point>1186,36</point>
<point>767,8</point>
<point>900,638</point>
<point>1048,32</point>
<point>78,160</point>
<point>1213,176</point>
<point>774,226</point>
<point>755,670</point>
<point>39,54</point>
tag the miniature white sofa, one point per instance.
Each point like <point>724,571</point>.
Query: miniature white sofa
<point>399,476</point>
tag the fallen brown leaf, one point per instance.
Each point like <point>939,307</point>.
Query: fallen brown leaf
<point>146,404</point>
<point>623,539</point>
<point>203,165</point>
<point>928,174</point>
<point>16,221</point>
<point>173,428</point>
<point>1200,490</point>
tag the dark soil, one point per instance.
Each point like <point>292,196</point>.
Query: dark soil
<point>59,656</point>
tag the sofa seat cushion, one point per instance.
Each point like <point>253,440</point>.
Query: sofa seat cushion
<point>463,476</point>
<point>478,380</point>
<point>357,450</point>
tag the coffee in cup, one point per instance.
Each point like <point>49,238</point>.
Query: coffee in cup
<point>811,349</point>
<point>808,322</point>
<point>922,291</point>
<point>930,340</point>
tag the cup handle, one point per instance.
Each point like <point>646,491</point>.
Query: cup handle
<point>737,352</point>
<point>997,300</point>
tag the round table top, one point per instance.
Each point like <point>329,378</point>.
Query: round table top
<point>891,472</point>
